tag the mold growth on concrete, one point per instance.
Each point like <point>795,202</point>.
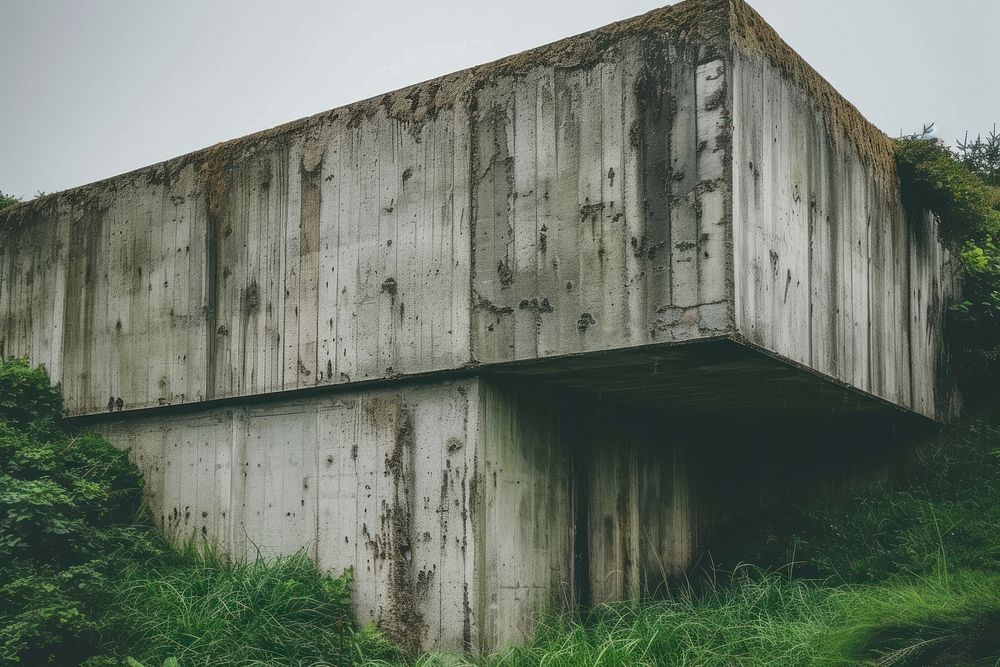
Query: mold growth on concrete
<point>714,27</point>
<point>751,35</point>
<point>402,621</point>
<point>699,22</point>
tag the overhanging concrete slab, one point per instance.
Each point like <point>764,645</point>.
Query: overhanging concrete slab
<point>721,378</point>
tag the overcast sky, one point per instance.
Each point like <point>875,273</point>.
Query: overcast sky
<point>92,89</point>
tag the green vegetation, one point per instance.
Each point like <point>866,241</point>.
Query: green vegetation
<point>66,505</point>
<point>85,577</point>
<point>944,515</point>
<point>7,200</point>
<point>982,156</point>
<point>963,189</point>
<point>202,609</point>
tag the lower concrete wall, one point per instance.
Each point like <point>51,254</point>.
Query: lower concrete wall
<point>523,514</point>
<point>451,501</point>
<point>377,480</point>
<point>468,507</point>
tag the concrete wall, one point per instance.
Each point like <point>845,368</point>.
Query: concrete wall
<point>523,519</point>
<point>429,492</point>
<point>466,509</point>
<point>379,481</point>
<point>512,274</point>
<point>599,207</point>
<point>554,211</point>
<point>640,521</point>
<point>831,271</point>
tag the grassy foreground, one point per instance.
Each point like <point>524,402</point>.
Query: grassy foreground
<point>217,614</point>
<point>771,620</point>
<point>206,612</point>
<point>904,573</point>
<point>199,608</point>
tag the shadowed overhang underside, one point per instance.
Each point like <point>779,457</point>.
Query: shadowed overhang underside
<point>721,378</point>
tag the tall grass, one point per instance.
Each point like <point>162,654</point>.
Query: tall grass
<point>203,609</point>
<point>945,511</point>
<point>901,574</point>
<point>768,619</point>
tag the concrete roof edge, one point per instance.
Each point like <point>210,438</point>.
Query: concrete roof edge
<point>723,26</point>
<point>689,20</point>
<point>753,36</point>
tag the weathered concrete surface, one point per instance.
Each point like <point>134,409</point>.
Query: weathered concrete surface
<point>378,480</point>
<point>576,197</point>
<point>490,339</point>
<point>468,508</point>
<point>427,491</point>
<point>831,271</point>
<point>547,209</point>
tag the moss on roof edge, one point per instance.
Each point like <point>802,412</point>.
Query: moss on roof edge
<point>753,36</point>
<point>717,26</point>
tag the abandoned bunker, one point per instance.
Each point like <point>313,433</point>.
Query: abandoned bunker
<point>526,335</point>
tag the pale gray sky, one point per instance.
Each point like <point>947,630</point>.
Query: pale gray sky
<point>92,89</point>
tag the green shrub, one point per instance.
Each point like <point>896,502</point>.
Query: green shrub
<point>26,394</point>
<point>66,503</point>
<point>955,187</point>
<point>85,577</point>
<point>7,200</point>
<point>934,179</point>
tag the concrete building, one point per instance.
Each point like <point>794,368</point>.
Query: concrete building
<point>506,339</point>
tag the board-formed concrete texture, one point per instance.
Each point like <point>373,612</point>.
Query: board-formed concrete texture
<point>483,338</point>
<point>414,486</point>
